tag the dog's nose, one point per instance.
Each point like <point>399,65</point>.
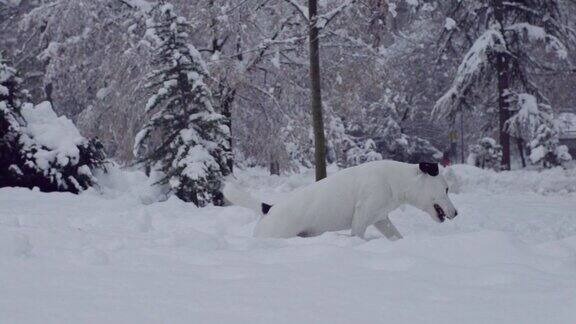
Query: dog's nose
<point>455,213</point>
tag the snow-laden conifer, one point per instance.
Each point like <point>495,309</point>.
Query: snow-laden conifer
<point>185,139</point>
<point>38,148</point>
<point>486,154</point>
<point>535,124</point>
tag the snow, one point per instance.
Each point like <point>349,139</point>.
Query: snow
<point>138,140</point>
<point>563,153</point>
<point>166,8</point>
<point>195,163</point>
<point>549,182</point>
<point>537,33</point>
<point>475,62</point>
<point>142,5</point>
<point>50,130</point>
<point>567,124</point>
<point>450,23</point>
<point>537,154</point>
<point>4,91</point>
<point>103,93</point>
<point>11,2</point>
<point>58,134</point>
<point>119,257</point>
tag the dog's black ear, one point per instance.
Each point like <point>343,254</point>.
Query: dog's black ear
<point>429,168</point>
<point>265,208</point>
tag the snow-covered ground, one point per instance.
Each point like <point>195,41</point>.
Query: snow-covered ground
<point>509,257</point>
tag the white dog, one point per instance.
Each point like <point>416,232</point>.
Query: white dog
<point>353,198</point>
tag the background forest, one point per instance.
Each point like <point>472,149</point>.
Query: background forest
<point>409,80</point>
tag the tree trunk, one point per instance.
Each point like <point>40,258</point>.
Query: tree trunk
<point>316,95</point>
<point>274,167</point>
<point>503,74</point>
<point>520,145</point>
<point>226,100</point>
<point>462,137</point>
<point>225,94</point>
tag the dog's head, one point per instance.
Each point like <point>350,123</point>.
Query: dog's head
<point>430,193</point>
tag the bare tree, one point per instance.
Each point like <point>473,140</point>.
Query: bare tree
<point>316,93</point>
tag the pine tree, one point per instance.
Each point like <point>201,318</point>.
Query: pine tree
<point>486,154</point>
<point>12,97</point>
<point>372,138</point>
<point>185,139</point>
<point>502,53</point>
<point>38,149</point>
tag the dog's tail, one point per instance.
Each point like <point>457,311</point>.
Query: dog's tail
<point>239,197</point>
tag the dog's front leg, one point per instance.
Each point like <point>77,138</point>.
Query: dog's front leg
<point>388,229</point>
<point>363,217</point>
<point>359,227</point>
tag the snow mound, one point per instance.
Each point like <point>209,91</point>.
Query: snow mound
<point>58,134</point>
<point>466,178</point>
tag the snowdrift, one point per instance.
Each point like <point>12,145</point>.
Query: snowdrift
<point>124,257</point>
<point>468,178</point>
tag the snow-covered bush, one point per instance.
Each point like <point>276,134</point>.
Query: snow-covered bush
<point>544,147</point>
<point>395,145</point>
<point>38,148</point>
<point>535,123</point>
<point>358,142</point>
<point>486,154</point>
<point>185,139</point>
<point>527,116</point>
<point>346,149</point>
<point>359,154</point>
<point>55,149</point>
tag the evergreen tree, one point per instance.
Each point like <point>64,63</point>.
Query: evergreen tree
<point>534,123</point>
<point>12,98</point>
<point>486,154</point>
<point>185,139</point>
<point>38,149</point>
<point>374,137</point>
<point>346,149</point>
<point>502,53</point>
<point>544,148</point>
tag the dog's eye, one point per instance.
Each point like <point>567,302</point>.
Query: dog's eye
<point>446,190</point>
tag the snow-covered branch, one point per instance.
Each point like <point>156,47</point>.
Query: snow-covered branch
<point>538,34</point>
<point>472,69</point>
<point>325,19</point>
<point>302,10</point>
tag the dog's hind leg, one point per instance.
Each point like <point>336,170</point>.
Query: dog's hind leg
<point>388,229</point>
